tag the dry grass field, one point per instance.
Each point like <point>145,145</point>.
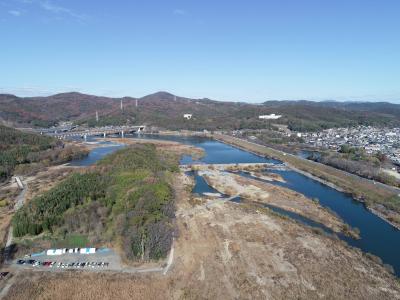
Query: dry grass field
<point>231,251</point>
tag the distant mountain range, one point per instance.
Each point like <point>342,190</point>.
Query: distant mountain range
<point>165,110</point>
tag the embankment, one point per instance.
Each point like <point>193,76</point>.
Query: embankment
<point>373,195</point>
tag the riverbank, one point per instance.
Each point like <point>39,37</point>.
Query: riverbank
<point>256,191</point>
<point>372,195</point>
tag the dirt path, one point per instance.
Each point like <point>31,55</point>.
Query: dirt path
<point>18,204</point>
<point>170,259</point>
<point>7,286</point>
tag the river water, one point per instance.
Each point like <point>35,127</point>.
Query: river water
<point>377,236</point>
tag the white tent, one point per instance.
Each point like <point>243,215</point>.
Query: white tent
<point>54,252</point>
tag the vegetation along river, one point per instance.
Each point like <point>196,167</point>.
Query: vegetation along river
<point>377,236</point>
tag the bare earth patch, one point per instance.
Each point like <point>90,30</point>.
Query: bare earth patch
<point>287,199</point>
<point>231,251</point>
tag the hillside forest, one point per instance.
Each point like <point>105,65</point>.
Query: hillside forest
<point>126,200</point>
<point>24,153</point>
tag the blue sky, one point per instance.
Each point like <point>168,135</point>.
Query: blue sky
<point>227,50</point>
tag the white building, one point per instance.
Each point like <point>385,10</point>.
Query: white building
<point>54,252</point>
<point>270,117</point>
<point>87,250</point>
<point>187,116</point>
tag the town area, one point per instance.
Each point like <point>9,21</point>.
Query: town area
<point>372,139</point>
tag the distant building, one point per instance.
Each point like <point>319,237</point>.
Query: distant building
<point>187,116</point>
<point>270,117</point>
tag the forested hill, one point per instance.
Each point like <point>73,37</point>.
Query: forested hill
<point>19,149</point>
<point>309,115</point>
<point>166,111</point>
<point>127,199</point>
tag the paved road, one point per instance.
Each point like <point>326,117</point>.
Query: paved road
<point>228,166</point>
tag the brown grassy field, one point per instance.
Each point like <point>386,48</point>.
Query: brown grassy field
<point>231,251</point>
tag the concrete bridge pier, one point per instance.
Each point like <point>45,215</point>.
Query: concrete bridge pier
<point>85,137</point>
<point>104,135</point>
<point>122,134</point>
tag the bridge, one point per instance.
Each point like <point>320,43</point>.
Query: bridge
<point>98,131</point>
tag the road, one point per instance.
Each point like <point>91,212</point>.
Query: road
<point>199,167</point>
<point>170,258</point>
<point>18,204</point>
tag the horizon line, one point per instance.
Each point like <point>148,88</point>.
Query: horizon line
<point>52,94</point>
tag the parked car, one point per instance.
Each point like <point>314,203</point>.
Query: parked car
<point>21,262</point>
<point>36,264</point>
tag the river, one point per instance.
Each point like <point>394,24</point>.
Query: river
<point>377,236</point>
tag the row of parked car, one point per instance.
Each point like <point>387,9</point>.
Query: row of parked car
<point>53,264</point>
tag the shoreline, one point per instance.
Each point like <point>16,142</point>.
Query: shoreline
<point>339,189</point>
<point>323,181</point>
<point>289,165</point>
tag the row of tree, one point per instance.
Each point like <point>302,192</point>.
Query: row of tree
<point>356,161</point>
